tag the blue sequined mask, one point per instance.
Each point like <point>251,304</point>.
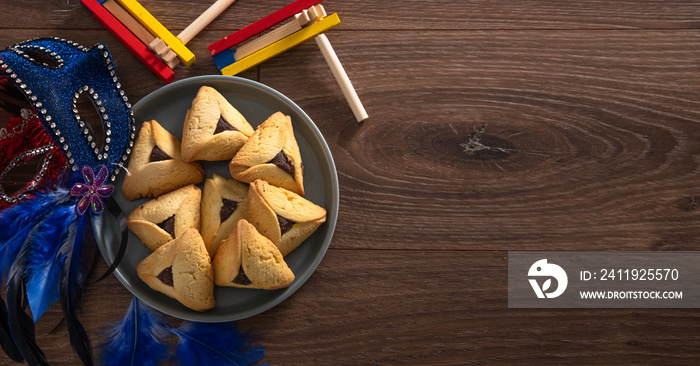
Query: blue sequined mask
<point>53,89</point>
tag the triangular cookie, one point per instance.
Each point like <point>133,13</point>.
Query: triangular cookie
<point>182,270</point>
<point>271,154</point>
<point>224,202</point>
<point>248,259</point>
<point>284,217</point>
<point>156,166</point>
<point>213,128</point>
<point>164,218</point>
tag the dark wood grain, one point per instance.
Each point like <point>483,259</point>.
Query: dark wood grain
<point>394,14</point>
<point>572,148</point>
<point>449,308</point>
<point>367,307</point>
<point>494,126</point>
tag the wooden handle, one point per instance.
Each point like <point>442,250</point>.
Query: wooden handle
<point>341,77</point>
<point>298,21</point>
<point>129,40</point>
<point>267,39</point>
<point>257,27</point>
<point>158,30</point>
<point>203,20</point>
<point>129,22</point>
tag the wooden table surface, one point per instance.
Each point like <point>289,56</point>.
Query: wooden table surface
<point>494,126</point>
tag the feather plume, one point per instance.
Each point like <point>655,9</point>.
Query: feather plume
<point>140,338</point>
<point>21,324</point>
<point>8,345</point>
<point>98,222</point>
<point>214,344</point>
<point>18,221</point>
<point>18,226</point>
<point>137,339</point>
<point>74,271</point>
<point>43,270</point>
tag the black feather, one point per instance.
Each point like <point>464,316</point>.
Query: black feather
<point>75,268</point>
<point>22,226</point>
<point>21,324</point>
<point>113,208</point>
<point>8,345</point>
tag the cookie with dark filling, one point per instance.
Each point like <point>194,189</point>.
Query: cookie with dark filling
<point>156,166</point>
<point>248,259</point>
<point>284,217</point>
<point>213,128</point>
<point>224,202</point>
<point>181,269</point>
<point>271,154</point>
<point>166,217</point>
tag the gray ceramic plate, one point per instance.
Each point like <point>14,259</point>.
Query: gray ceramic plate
<point>168,106</point>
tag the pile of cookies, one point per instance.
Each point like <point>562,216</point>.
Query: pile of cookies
<point>233,232</point>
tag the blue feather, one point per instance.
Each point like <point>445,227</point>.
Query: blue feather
<point>18,221</point>
<point>19,225</point>
<point>74,271</point>
<point>137,339</point>
<point>214,344</point>
<point>43,270</point>
<point>46,251</point>
<point>21,324</point>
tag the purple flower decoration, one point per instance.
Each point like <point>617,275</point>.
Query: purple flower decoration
<point>92,190</point>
